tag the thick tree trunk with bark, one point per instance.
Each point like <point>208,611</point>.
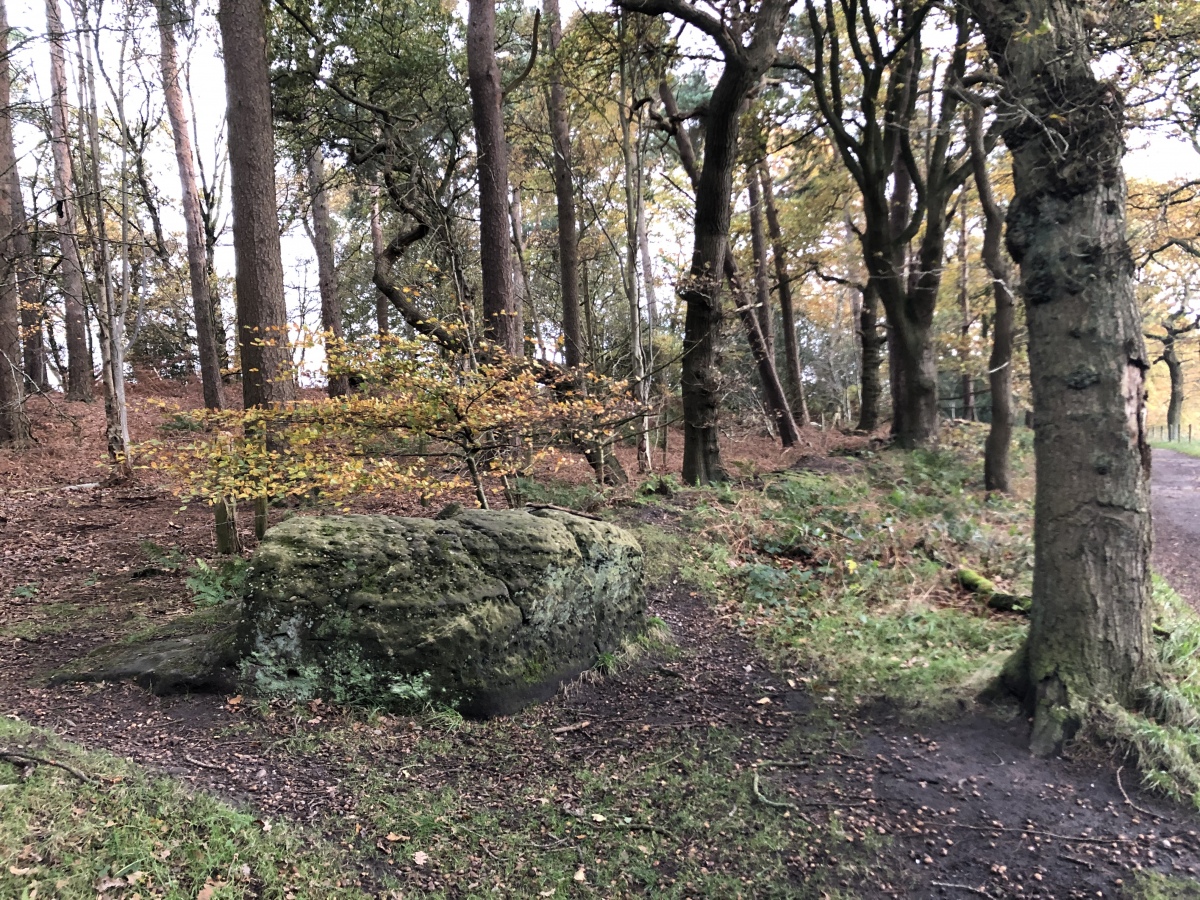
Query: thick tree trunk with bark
<point>564,196</point>
<point>322,236</point>
<point>79,357</point>
<point>872,343</point>
<point>261,313</point>
<point>501,314</point>
<point>14,426</point>
<point>1089,636</point>
<point>995,456</point>
<point>193,219</point>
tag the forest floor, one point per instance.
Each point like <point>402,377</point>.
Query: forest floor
<point>751,755</point>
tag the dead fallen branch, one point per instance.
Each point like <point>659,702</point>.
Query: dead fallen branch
<point>29,759</point>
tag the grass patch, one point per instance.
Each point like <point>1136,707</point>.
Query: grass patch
<point>1186,447</point>
<point>680,820</point>
<point>126,833</point>
<point>1164,738</point>
<point>46,620</point>
<point>849,579</point>
<point>1153,886</point>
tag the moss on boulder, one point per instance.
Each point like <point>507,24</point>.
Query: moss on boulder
<point>488,610</point>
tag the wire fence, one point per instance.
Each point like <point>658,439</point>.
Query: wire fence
<point>1172,434</point>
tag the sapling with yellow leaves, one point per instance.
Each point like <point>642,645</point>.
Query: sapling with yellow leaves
<point>422,420</point>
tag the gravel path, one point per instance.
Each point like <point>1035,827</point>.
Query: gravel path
<point>1175,486</point>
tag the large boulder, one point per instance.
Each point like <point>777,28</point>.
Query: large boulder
<point>486,610</point>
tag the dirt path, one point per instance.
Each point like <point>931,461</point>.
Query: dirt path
<point>1175,488</point>
<point>953,809</point>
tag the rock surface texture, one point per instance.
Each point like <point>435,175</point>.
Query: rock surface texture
<point>486,610</point>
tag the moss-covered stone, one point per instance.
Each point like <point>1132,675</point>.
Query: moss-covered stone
<point>194,653</point>
<point>488,610</point>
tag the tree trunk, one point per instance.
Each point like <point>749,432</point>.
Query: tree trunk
<point>524,297</point>
<point>322,233</point>
<point>787,314</point>
<point>501,314</point>
<point>633,203</point>
<point>995,456</point>
<point>1175,405</point>
<point>382,305</point>
<point>564,195</point>
<point>964,306</point>
<point>261,312</point>
<point>758,245</point>
<point>1089,635</point>
<point>14,426</point>
<point>872,343</point>
<point>32,316</point>
<point>202,305</point>
<point>79,358</point>
<point>768,376</point>
<point>110,314</point>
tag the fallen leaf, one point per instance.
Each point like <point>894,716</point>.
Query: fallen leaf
<point>393,837</point>
<point>581,875</point>
<point>234,701</point>
<point>764,701</point>
<point>420,857</point>
<point>596,817</point>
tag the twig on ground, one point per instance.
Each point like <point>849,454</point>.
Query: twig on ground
<point>961,887</point>
<point>564,509</point>
<point>776,804</point>
<point>1076,860</point>
<point>639,826</point>
<point>19,757</point>
<point>1130,803</point>
<point>1046,834</point>
<point>563,729</point>
<point>204,765</point>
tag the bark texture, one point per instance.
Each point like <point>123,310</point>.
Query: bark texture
<point>378,249</point>
<point>564,196</point>
<point>999,439</point>
<point>1089,636</point>
<point>14,426</point>
<point>501,314</point>
<point>261,314</point>
<point>322,237</point>
<point>193,218</point>
<point>758,244</point>
<point>33,342</point>
<point>787,312</point>
<point>79,357</point>
<point>872,343</point>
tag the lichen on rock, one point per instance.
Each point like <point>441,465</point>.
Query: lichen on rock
<point>485,610</point>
